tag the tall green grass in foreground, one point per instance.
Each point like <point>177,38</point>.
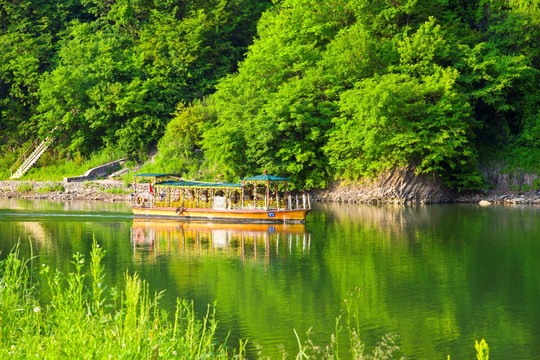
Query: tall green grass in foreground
<point>93,322</point>
<point>83,319</point>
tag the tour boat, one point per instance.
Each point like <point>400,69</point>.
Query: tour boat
<point>254,199</point>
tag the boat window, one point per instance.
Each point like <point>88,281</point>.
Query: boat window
<point>235,197</point>
<point>248,192</point>
<point>261,192</point>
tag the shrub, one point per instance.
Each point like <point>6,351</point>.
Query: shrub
<point>51,188</point>
<point>25,187</point>
<point>127,178</point>
<point>117,191</point>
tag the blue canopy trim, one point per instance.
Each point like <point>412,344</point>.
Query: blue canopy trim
<point>198,184</point>
<point>157,175</point>
<point>265,178</point>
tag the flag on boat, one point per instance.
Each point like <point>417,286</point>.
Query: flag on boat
<point>151,191</point>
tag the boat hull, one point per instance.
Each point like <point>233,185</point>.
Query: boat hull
<point>246,215</point>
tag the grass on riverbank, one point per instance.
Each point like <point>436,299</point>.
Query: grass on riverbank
<point>25,187</point>
<point>117,191</point>
<point>51,188</point>
<point>94,322</point>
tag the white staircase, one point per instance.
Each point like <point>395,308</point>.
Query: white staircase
<point>25,162</point>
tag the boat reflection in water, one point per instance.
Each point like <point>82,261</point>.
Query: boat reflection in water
<point>151,239</point>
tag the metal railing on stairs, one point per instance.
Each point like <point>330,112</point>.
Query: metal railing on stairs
<point>29,157</point>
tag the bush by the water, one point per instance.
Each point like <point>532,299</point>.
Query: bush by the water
<point>51,188</point>
<point>24,187</point>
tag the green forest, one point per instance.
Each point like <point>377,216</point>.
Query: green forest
<point>314,90</point>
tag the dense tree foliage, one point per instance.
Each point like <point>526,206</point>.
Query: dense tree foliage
<point>331,89</point>
<point>110,73</point>
<point>351,88</point>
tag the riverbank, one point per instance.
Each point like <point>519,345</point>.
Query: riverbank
<point>102,190</point>
<point>396,189</point>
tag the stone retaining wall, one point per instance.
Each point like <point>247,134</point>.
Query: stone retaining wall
<point>88,190</point>
<point>97,172</point>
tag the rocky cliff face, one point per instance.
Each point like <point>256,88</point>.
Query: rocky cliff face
<point>400,186</point>
<point>503,180</point>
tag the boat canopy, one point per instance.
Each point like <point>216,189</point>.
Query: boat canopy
<point>177,180</point>
<point>265,177</point>
<point>198,184</point>
<point>156,175</point>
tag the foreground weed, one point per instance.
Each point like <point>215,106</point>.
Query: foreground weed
<point>386,349</point>
<point>80,321</point>
<point>482,350</point>
<point>17,303</point>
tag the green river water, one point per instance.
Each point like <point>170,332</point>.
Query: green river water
<point>440,276</point>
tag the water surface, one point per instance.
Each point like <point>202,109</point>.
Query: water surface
<point>439,276</point>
